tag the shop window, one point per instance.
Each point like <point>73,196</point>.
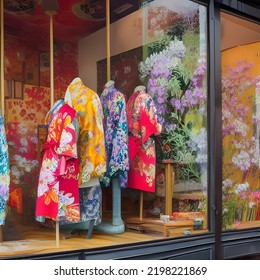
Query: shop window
<point>164,51</point>
<point>158,49</point>
<point>240,109</point>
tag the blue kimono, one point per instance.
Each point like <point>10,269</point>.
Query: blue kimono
<point>4,171</point>
<point>116,135</point>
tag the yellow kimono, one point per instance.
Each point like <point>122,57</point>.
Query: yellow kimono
<point>91,143</point>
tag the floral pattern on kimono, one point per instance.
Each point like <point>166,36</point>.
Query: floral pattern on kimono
<point>4,171</point>
<point>91,204</point>
<point>58,193</point>
<point>142,124</point>
<point>91,143</point>
<point>116,135</point>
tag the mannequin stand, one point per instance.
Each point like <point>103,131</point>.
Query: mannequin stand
<point>117,226</point>
<point>71,229</point>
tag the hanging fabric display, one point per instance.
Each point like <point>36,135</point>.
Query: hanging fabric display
<point>142,124</point>
<point>58,193</point>
<point>4,171</point>
<point>91,144</point>
<point>116,135</point>
<point>91,148</point>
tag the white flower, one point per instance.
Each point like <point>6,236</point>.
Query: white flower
<point>227,183</point>
<point>34,140</point>
<point>241,188</point>
<point>242,160</point>
<point>172,55</point>
<point>251,204</point>
<point>24,142</point>
<point>23,150</point>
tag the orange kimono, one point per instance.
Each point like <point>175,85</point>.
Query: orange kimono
<point>91,142</point>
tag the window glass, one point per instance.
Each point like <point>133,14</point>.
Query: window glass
<point>240,110</point>
<point>167,54</point>
<point>158,48</point>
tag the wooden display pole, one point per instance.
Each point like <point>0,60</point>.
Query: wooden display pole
<point>141,205</point>
<point>2,81</point>
<point>51,61</point>
<point>2,61</point>
<point>57,226</point>
<point>50,8</point>
<point>108,40</point>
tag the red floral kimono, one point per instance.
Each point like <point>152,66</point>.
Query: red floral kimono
<point>142,124</point>
<point>58,192</point>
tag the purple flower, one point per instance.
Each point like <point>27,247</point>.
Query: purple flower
<point>176,103</point>
<point>4,192</point>
<point>160,100</point>
<point>152,82</point>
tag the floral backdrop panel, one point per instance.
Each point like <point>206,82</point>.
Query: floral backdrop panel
<point>19,53</point>
<point>65,66</point>
<point>174,71</point>
<point>23,117</point>
<point>27,62</point>
<point>124,71</point>
<point>240,131</point>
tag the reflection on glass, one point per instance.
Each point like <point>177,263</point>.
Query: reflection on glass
<point>173,70</point>
<point>165,50</point>
<point>240,93</point>
<point>240,127</point>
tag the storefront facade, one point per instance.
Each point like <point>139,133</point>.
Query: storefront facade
<point>205,84</point>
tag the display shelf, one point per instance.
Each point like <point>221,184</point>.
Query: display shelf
<point>168,229</point>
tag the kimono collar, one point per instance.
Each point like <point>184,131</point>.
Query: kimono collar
<point>109,84</point>
<point>109,88</point>
<point>54,110</point>
<point>76,81</point>
<point>72,88</point>
<point>140,88</point>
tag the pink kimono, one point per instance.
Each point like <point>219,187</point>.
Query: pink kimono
<point>142,124</point>
<point>58,192</point>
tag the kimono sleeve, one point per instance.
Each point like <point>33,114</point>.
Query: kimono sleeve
<point>120,138</point>
<point>148,120</point>
<point>4,171</point>
<point>67,144</point>
<point>4,156</point>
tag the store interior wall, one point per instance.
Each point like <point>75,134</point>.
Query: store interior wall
<point>124,36</point>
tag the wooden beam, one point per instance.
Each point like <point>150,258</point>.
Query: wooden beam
<point>108,40</point>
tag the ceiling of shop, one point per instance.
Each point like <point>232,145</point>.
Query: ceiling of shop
<point>75,18</point>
